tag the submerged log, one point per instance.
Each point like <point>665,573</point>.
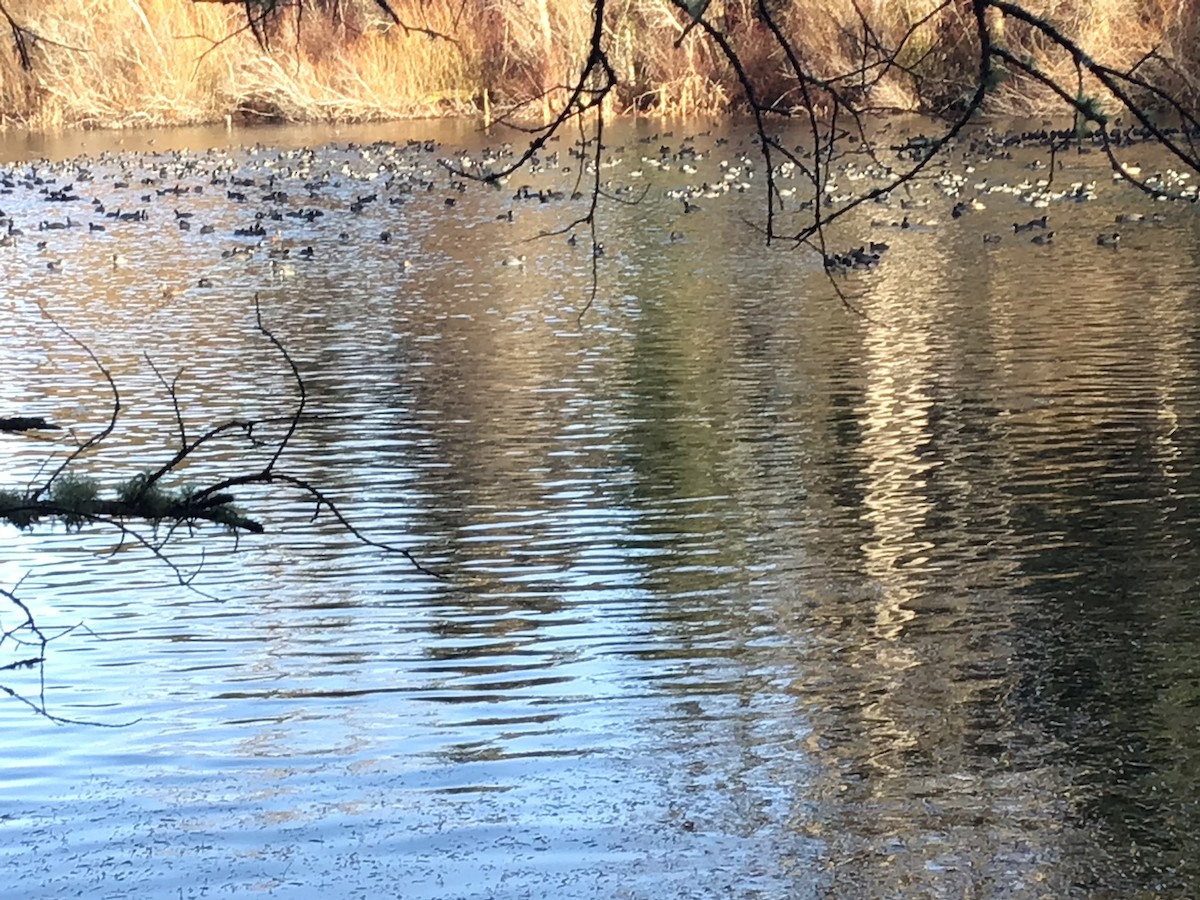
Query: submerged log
<point>24,512</point>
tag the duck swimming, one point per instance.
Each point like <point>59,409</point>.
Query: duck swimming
<point>1031,225</point>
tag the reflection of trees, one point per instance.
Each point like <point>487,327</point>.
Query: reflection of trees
<point>1108,656</point>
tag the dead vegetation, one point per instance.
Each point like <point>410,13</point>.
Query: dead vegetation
<point>162,62</point>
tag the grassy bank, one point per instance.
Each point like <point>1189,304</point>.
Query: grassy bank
<point>158,62</point>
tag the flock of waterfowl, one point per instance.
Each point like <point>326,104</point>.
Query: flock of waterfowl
<point>294,205</point>
<point>963,183</point>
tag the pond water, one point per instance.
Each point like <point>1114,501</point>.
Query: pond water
<point>748,591</point>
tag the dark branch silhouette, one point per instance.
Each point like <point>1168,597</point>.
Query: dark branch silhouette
<point>141,510</point>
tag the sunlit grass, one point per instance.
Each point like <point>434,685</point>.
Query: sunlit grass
<point>160,62</point>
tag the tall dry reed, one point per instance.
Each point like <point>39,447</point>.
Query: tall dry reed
<point>114,63</point>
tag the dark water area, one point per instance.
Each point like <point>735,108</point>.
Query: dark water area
<point>751,592</point>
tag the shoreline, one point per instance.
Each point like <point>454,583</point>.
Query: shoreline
<point>154,63</point>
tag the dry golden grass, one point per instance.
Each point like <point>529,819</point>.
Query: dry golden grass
<point>130,62</point>
<point>162,62</point>
<point>115,63</point>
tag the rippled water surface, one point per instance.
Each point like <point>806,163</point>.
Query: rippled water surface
<point>749,591</point>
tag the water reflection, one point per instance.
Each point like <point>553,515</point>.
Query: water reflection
<point>751,593</point>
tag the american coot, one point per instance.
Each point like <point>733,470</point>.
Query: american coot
<point>1031,225</point>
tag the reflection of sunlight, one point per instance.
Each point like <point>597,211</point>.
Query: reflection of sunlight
<point>10,571</point>
<point>22,557</point>
<point>1174,373</point>
<point>895,422</point>
<point>1166,448</point>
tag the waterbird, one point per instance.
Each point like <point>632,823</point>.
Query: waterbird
<point>1108,239</point>
<point>1043,238</point>
<point>513,262</point>
<point>1031,225</point>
